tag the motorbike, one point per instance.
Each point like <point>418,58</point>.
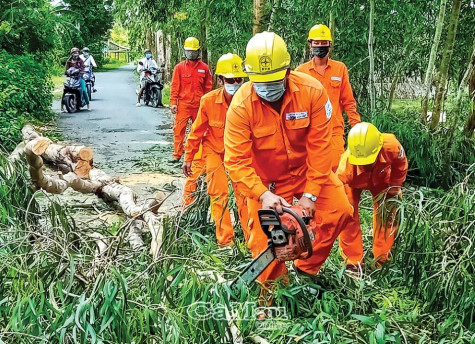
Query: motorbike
<point>90,80</point>
<point>72,99</point>
<point>152,93</point>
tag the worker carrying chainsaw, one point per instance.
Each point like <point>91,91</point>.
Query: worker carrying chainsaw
<point>334,77</point>
<point>374,162</point>
<point>277,147</point>
<point>208,130</point>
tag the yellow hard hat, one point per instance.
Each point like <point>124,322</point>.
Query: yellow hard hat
<point>191,43</point>
<point>364,143</point>
<point>267,58</point>
<point>319,32</point>
<point>230,66</point>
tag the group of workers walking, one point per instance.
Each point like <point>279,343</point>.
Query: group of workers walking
<point>280,140</point>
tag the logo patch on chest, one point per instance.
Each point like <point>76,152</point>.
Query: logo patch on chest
<point>401,153</point>
<point>291,116</point>
<point>328,109</point>
<point>336,78</point>
<point>201,71</point>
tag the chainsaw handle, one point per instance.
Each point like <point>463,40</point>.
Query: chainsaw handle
<point>302,224</point>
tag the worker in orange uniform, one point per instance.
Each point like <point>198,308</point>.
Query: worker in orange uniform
<point>208,131</point>
<point>277,147</point>
<point>374,162</point>
<point>191,80</point>
<point>334,77</point>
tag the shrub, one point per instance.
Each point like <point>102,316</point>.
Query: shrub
<point>25,94</point>
<point>426,150</point>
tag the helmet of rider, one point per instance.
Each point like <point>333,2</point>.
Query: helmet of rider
<point>148,53</point>
<point>75,53</point>
<point>85,51</point>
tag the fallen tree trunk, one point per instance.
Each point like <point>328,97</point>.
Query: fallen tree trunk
<point>85,178</point>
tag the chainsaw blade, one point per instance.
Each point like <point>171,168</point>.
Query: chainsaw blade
<point>253,270</point>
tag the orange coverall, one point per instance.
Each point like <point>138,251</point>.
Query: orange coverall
<point>191,79</point>
<point>289,152</point>
<point>208,130</point>
<point>337,83</point>
<point>388,172</point>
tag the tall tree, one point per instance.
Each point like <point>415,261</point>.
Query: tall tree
<point>470,125</point>
<point>260,16</point>
<point>372,86</point>
<point>433,53</point>
<point>444,65</point>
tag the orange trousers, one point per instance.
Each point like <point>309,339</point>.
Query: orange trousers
<point>218,191</point>
<point>184,113</point>
<point>338,148</point>
<point>333,211</point>
<point>385,227</point>
<point>217,182</point>
<point>198,168</point>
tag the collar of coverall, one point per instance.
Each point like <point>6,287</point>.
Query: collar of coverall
<point>220,98</point>
<point>194,63</point>
<point>329,64</point>
<point>290,87</point>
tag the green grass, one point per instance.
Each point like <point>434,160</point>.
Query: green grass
<point>399,105</point>
<point>58,81</point>
<point>111,64</point>
<point>166,94</point>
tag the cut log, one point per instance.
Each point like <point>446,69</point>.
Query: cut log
<point>77,158</point>
<point>39,145</point>
<point>56,185</point>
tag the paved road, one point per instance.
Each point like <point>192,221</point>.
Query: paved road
<point>120,133</point>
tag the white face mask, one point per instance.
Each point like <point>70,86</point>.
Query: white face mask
<point>270,91</point>
<point>231,88</point>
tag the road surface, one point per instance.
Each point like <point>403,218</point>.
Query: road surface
<point>122,135</point>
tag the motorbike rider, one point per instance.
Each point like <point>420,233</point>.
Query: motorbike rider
<point>147,63</point>
<point>76,62</point>
<point>89,62</point>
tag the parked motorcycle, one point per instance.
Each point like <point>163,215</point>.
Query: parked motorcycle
<point>72,99</point>
<point>153,88</point>
<point>90,80</point>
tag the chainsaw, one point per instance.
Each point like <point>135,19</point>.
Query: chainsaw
<point>290,237</point>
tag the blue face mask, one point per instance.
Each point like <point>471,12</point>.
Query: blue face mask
<point>148,55</point>
<point>231,88</point>
<point>270,91</point>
